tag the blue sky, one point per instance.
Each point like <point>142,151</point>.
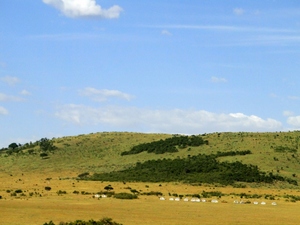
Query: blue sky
<point>70,67</point>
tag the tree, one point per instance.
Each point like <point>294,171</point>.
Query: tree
<point>13,145</point>
<point>108,187</point>
<point>46,144</point>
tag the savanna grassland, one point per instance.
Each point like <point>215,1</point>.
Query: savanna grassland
<point>38,185</point>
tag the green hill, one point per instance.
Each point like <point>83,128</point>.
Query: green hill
<point>271,153</point>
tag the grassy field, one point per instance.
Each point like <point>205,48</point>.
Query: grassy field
<point>29,173</point>
<point>100,152</point>
<point>44,206</point>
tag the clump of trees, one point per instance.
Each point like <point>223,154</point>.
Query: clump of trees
<point>168,145</point>
<point>46,145</point>
<point>194,169</point>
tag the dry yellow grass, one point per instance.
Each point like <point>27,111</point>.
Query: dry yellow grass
<point>37,210</point>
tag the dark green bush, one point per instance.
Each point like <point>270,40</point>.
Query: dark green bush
<point>104,221</point>
<point>124,195</point>
<point>157,193</point>
<point>60,192</point>
<point>47,188</point>
<point>83,175</point>
<point>43,154</point>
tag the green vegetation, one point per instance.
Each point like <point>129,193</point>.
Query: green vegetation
<point>60,192</point>
<point>46,145</point>
<point>194,169</point>
<point>271,156</point>
<point>125,195</point>
<point>104,221</point>
<point>167,145</point>
<point>284,149</point>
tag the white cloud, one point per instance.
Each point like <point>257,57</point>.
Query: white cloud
<point>294,121</point>
<point>25,92</point>
<point>10,80</point>
<point>166,32</point>
<point>9,98</point>
<point>238,11</point>
<point>294,97</point>
<point>288,113</point>
<point>169,121</point>
<point>218,80</point>
<point>3,111</point>
<point>84,8</point>
<point>104,94</point>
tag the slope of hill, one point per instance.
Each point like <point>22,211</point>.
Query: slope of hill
<point>102,152</point>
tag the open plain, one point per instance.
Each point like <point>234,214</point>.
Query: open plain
<point>35,205</point>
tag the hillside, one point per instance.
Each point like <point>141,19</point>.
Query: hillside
<point>102,152</point>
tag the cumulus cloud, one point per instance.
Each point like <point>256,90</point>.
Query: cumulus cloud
<point>169,121</point>
<point>10,80</point>
<point>294,121</point>
<point>238,11</point>
<point>104,94</point>
<point>218,80</point>
<point>3,111</point>
<point>84,8</point>
<point>9,98</point>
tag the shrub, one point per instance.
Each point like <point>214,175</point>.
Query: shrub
<point>104,221</point>
<point>43,154</point>
<point>83,175</point>
<point>18,191</point>
<point>108,187</point>
<point>60,192</point>
<point>134,191</point>
<point>157,193</point>
<point>124,195</point>
<point>47,188</point>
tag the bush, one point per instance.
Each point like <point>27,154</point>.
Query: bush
<point>60,192</point>
<point>43,155</point>
<point>47,188</point>
<point>157,193</point>
<point>104,221</point>
<point>83,175</point>
<point>124,195</point>
<point>108,187</point>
